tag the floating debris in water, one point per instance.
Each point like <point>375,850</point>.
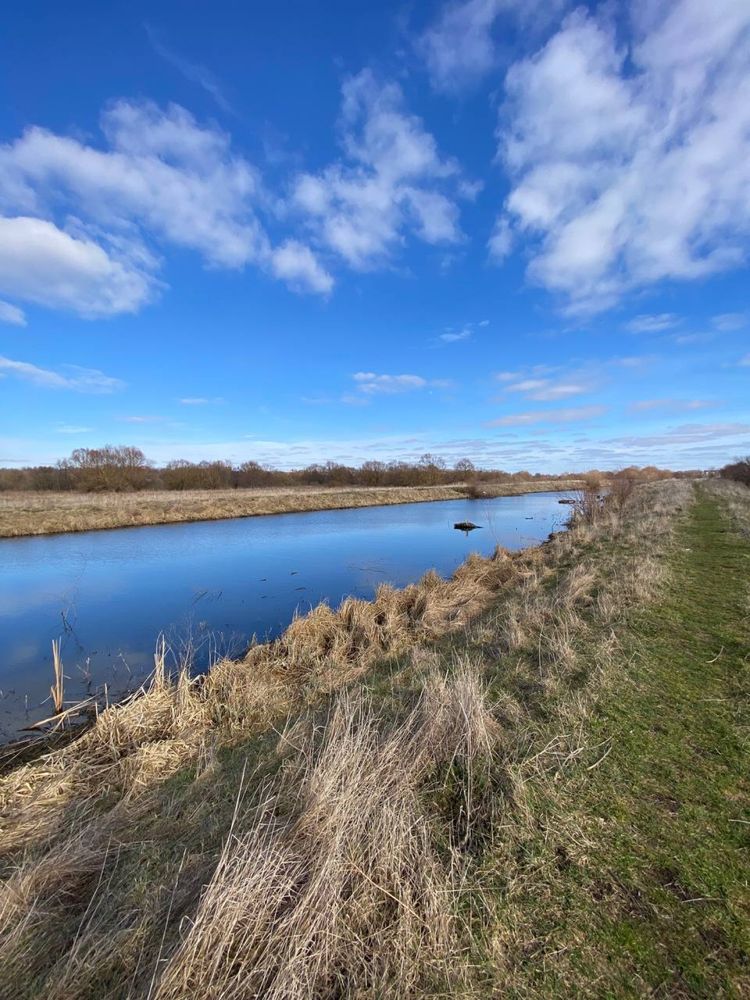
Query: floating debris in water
<point>466,526</point>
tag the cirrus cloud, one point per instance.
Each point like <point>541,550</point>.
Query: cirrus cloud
<point>73,377</point>
<point>564,416</point>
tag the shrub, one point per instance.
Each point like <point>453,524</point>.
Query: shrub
<point>739,471</point>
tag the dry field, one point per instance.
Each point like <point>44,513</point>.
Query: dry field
<point>51,513</point>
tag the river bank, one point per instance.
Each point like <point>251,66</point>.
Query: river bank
<point>23,514</point>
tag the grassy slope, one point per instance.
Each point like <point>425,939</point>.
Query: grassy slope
<point>604,852</point>
<point>51,513</point>
<point>634,879</point>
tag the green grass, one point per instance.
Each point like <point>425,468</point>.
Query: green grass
<point>634,878</point>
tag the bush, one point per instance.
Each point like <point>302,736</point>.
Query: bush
<point>739,471</point>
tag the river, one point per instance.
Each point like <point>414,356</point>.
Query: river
<point>214,584</point>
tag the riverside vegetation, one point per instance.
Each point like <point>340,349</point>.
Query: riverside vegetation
<point>528,780</point>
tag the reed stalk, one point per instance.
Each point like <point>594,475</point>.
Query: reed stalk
<point>58,688</point>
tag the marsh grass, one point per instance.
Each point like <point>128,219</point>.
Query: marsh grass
<point>370,806</point>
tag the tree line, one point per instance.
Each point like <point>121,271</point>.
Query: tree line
<point>124,468</point>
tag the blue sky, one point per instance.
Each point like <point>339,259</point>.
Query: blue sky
<point>511,231</point>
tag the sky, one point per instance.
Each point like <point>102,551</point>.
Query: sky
<point>514,231</point>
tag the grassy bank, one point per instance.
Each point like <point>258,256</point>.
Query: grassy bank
<point>50,513</point>
<point>526,781</point>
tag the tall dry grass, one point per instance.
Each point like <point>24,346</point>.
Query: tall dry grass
<point>344,894</point>
<point>307,822</point>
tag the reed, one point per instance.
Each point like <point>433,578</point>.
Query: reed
<point>58,687</point>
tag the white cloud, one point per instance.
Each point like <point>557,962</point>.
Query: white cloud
<point>72,429</point>
<point>500,242</point>
<point>653,323</point>
<point>200,400</point>
<point>162,170</point>
<point>11,314</point>
<point>454,335</point>
<point>459,47</point>
<point>43,264</point>
<point>544,390</point>
<point>631,167</point>
<point>526,385</point>
<point>745,361</point>
<point>670,405</point>
<point>372,384</point>
<point>728,322</point>
<point>73,377</point>
<point>565,416</point>
<point>392,182</point>
<point>93,218</point>
<point>296,264</point>
<point>690,434</point>
<point>537,382</point>
<point>465,332</point>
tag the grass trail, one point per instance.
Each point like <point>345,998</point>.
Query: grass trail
<point>635,879</point>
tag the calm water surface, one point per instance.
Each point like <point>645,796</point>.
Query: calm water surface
<point>108,594</point>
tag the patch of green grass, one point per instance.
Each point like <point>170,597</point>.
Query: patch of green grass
<point>634,879</point>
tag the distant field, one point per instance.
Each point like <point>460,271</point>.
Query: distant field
<point>50,513</point>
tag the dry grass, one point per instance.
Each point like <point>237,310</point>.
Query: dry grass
<point>50,513</point>
<point>735,497</point>
<point>344,895</point>
<point>304,823</point>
